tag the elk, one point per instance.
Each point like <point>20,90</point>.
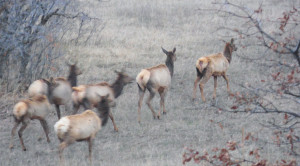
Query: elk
<point>36,107</point>
<point>156,79</point>
<point>213,65</point>
<point>39,87</point>
<point>82,127</point>
<point>61,94</point>
<point>87,95</point>
<point>78,95</point>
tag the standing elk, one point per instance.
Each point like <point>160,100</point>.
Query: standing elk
<point>36,107</point>
<point>156,79</point>
<point>87,95</point>
<point>213,65</point>
<point>82,127</point>
<point>39,87</point>
<point>61,94</point>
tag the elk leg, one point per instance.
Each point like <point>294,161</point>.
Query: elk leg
<point>162,103</point>
<point>20,132</point>
<point>141,94</point>
<point>13,132</point>
<point>195,87</point>
<point>90,141</point>
<point>164,108</point>
<point>113,121</point>
<point>202,82</point>
<point>45,128</point>
<point>76,108</point>
<point>62,146</point>
<point>215,87</point>
<point>227,82</point>
<point>57,111</point>
<point>201,86</point>
<point>152,94</point>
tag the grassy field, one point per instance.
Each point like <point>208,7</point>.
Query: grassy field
<point>132,38</point>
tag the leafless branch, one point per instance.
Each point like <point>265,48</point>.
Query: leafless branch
<point>292,94</point>
<point>48,16</point>
<point>252,16</point>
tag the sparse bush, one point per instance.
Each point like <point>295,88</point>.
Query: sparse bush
<point>31,34</point>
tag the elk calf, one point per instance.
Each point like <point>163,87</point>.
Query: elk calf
<point>156,79</point>
<point>82,127</point>
<point>213,65</point>
<point>87,95</point>
<point>36,107</point>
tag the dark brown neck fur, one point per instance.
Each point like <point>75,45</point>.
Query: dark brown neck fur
<point>72,78</point>
<point>118,86</point>
<point>227,52</point>
<point>170,64</point>
<point>103,110</point>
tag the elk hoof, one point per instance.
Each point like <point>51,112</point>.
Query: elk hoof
<point>24,149</point>
<point>116,129</point>
<point>154,117</point>
<point>164,113</point>
<point>158,116</point>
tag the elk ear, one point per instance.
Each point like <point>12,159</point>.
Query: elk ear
<point>117,72</point>
<point>165,51</point>
<point>174,49</point>
<point>232,40</point>
<point>107,96</point>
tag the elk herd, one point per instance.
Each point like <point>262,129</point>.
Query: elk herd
<point>101,96</point>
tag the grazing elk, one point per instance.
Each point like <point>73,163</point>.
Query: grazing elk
<point>36,107</point>
<point>213,65</point>
<point>61,94</point>
<point>82,127</point>
<point>156,79</point>
<point>87,95</point>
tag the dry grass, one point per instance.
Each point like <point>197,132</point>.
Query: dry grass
<point>135,30</point>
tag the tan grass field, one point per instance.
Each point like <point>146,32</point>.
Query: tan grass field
<point>132,38</point>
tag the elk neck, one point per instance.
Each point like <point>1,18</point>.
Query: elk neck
<point>118,86</point>
<point>227,52</point>
<point>103,112</point>
<point>170,64</point>
<point>72,78</point>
